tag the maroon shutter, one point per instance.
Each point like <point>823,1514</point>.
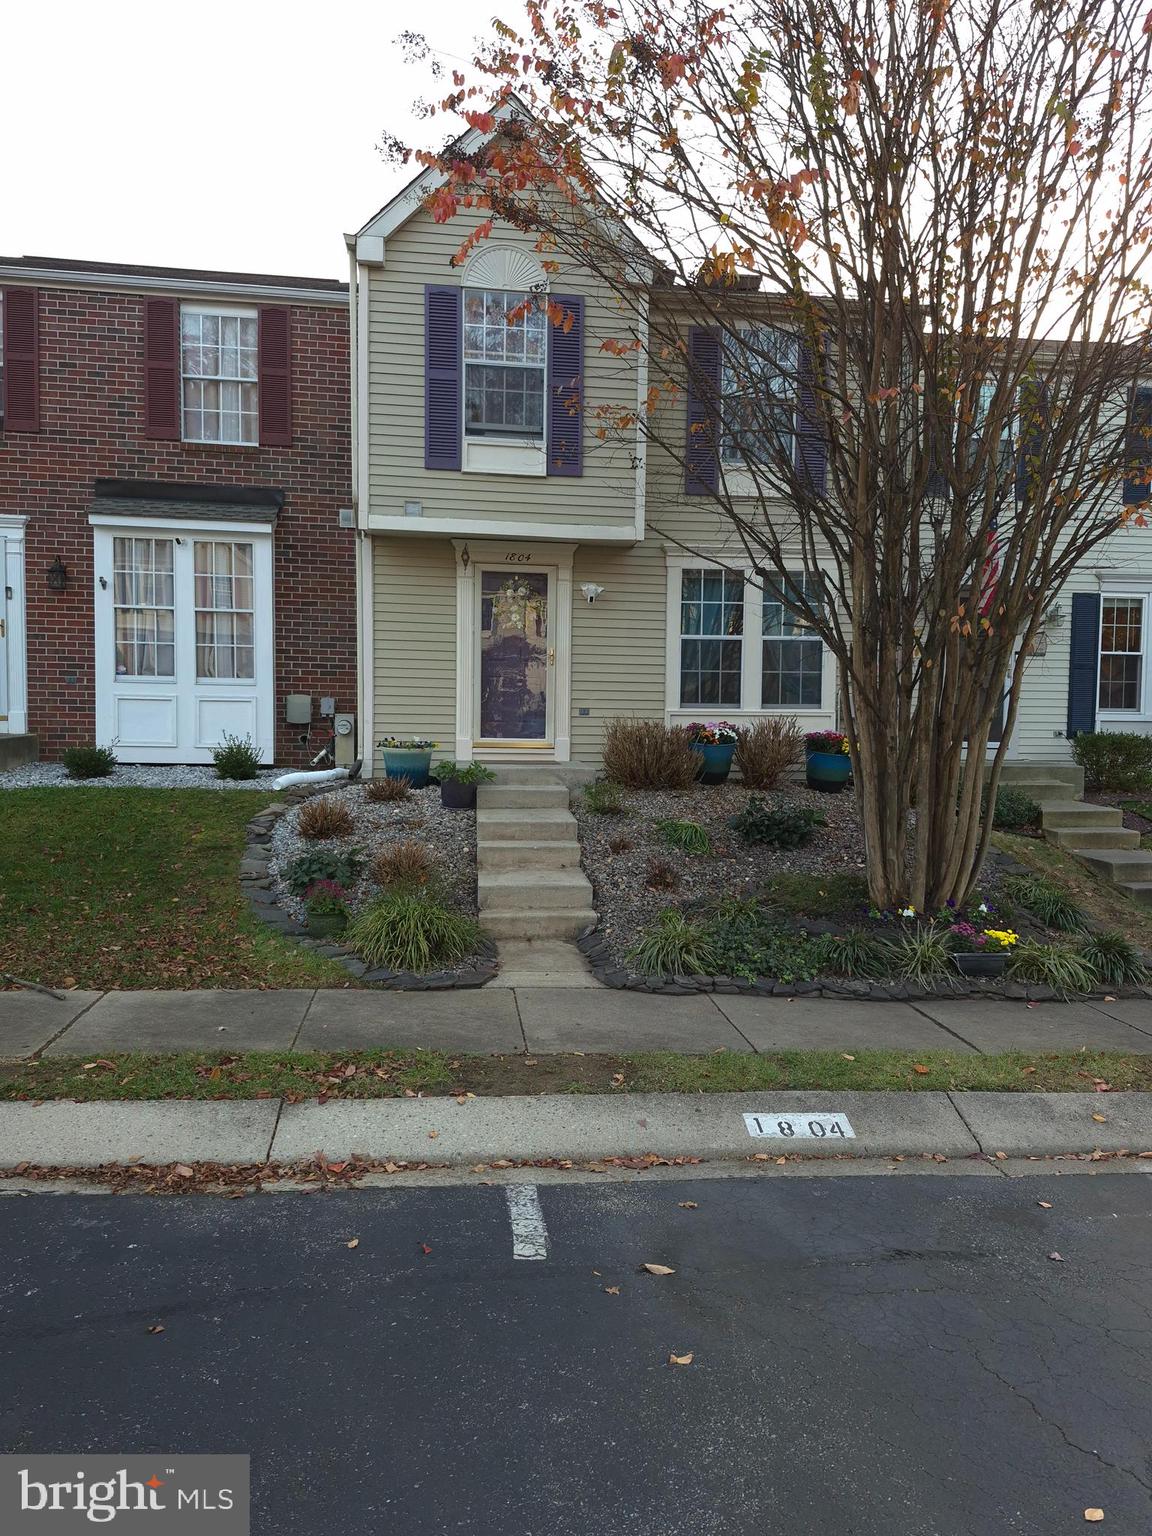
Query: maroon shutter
<point>275,403</point>
<point>161,368</point>
<point>21,360</point>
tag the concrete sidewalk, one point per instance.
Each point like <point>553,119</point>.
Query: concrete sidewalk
<point>543,1020</point>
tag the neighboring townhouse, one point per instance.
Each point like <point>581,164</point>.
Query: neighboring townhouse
<point>524,577</point>
<point>176,535</point>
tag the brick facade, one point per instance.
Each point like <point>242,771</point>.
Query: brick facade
<point>91,427</point>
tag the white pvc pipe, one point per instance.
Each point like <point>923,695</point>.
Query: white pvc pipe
<point>320,776</point>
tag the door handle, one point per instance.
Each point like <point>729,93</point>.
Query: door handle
<point>551,658</point>
<point>3,631</point>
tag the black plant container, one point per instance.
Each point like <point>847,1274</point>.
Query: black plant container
<point>457,796</point>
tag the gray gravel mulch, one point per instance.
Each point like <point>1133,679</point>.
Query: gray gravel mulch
<point>626,903</point>
<point>133,776</point>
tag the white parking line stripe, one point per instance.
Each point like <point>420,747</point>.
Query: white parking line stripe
<point>529,1234</point>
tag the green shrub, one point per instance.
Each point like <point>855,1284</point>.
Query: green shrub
<point>647,754</point>
<point>604,798</point>
<point>1014,808</point>
<point>323,864</point>
<point>236,757</point>
<point>922,957</point>
<point>463,773</point>
<point>1114,958</point>
<point>747,940</point>
<point>782,826</point>
<point>1045,900</point>
<point>766,750</point>
<point>857,956</point>
<point>1114,760</point>
<point>672,946</point>
<point>826,895</point>
<point>89,762</point>
<point>408,929</point>
<point>1052,965</point>
<point>688,836</point>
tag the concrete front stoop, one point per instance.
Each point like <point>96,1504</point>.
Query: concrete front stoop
<point>16,750</point>
<point>531,888</point>
<point>1095,834</point>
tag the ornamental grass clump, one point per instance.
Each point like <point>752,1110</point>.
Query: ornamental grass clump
<point>766,750</point>
<point>407,863</point>
<point>409,929</point>
<point>674,946</point>
<point>604,798</point>
<point>687,836</point>
<point>384,791</point>
<point>1045,900</point>
<point>1114,958</point>
<point>1052,965</point>
<point>324,818</point>
<point>923,956</point>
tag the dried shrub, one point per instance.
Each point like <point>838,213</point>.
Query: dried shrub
<point>661,875</point>
<point>620,844</point>
<point>408,863</point>
<point>647,754</point>
<point>767,749</point>
<point>324,818</point>
<point>381,791</point>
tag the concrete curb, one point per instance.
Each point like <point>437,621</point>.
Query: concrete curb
<point>577,1127</point>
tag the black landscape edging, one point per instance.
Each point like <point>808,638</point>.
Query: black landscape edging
<point>256,884</point>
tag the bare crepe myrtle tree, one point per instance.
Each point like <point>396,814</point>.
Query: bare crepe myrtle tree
<point>891,260</point>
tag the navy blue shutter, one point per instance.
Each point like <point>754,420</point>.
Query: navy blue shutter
<point>1138,455</point>
<point>1083,662</point>
<point>566,388</point>
<point>1033,429</point>
<point>442,370</point>
<point>702,446</point>
<point>811,446</point>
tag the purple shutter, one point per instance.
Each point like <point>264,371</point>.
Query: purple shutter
<point>1033,427</point>
<point>1138,458</point>
<point>21,357</point>
<point>566,387</point>
<point>442,369</point>
<point>161,368</point>
<point>702,447</point>
<point>274,366</point>
<point>811,445</point>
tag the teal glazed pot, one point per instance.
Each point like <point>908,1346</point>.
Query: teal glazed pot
<point>829,771</point>
<point>413,766</point>
<point>715,759</point>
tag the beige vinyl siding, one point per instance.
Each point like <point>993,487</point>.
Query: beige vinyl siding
<point>420,253</point>
<point>618,642</point>
<point>414,624</point>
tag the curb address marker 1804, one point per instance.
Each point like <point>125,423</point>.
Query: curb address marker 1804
<point>792,1125</point>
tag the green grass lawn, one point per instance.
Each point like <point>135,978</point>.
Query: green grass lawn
<point>137,888</point>
<point>393,1074</point>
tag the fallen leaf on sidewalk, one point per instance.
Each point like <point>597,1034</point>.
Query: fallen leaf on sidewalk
<point>781,1159</point>
<point>155,1327</point>
<point>1094,1514</point>
<point>353,1242</point>
<point>184,1171</point>
<point>681,1359</point>
<point>478,1168</point>
<point>1045,1205</point>
<point>432,1135</point>
<point>611,1290</point>
<point>658,1269</point>
<point>424,1249</point>
<point>688,1205</point>
<point>760,1157</point>
<point>1100,1119</point>
<point>1056,1258</point>
<point>1001,1156</point>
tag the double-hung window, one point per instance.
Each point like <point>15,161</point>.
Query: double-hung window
<point>758,397</point>
<point>505,353</point>
<point>219,366</point>
<point>746,646</point>
<point>1123,628</point>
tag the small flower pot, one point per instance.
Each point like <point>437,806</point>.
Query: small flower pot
<point>828,771</point>
<point>715,760</point>
<point>974,964</point>
<point>410,765</point>
<point>326,925</point>
<point>455,795</point>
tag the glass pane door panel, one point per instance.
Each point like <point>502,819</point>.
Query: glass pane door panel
<point>513,656</point>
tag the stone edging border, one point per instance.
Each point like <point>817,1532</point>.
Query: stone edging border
<point>256,886</point>
<point>612,973</point>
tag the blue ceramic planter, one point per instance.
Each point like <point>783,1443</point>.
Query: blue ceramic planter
<point>413,766</point>
<point>829,771</point>
<point>716,760</point>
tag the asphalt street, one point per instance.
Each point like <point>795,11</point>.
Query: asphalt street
<point>870,1356</point>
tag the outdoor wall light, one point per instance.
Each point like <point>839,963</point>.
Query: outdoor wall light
<point>590,590</point>
<point>57,576</point>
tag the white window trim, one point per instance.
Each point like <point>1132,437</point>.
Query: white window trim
<point>749,708</point>
<point>230,312</point>
<point>1131,593</point>
<point>489,454</point>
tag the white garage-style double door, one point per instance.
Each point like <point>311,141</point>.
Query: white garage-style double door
<point>184,646</point>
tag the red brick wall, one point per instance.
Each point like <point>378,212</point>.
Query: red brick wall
<point>91,426</point>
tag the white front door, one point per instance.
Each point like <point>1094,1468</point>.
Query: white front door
<point>4,644</point>
<point>515,668</point>
<point>184,649</point>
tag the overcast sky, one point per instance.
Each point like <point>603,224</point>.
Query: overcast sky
<point>233,134</point>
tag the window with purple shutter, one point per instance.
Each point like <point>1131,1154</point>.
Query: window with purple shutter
<point>442,366</point>
<point>1138,479</point>
<point>701,450</point>
<point>20,405</point>
<point>566,386</point>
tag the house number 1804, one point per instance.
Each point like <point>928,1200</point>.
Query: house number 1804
<point>518,559</point>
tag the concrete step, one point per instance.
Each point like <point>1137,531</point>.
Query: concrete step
<point>15,751</point>
<point>522,797</point>
<point>512,854</point>
<point>1043,791</point>
<point>1139,890</point>
<point>1074,813</point>
<point>539,890</point>
<point>550,825</point>
<point>515,922</point>
<point>1117,864</point>
<point>1071,775</point>
<point>1075,839</point>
